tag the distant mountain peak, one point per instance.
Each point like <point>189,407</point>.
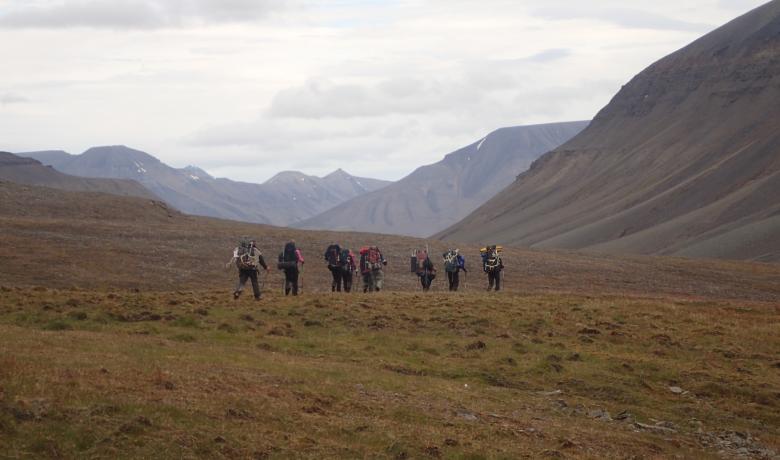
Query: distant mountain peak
<point>286,176</point>
<point>120,152</point>
<point>339,174</point>
<point>195,173</point>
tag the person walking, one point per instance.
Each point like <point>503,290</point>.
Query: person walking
<point>493,265</point>
<point>425,270</point>
<point>454,262</point>
<point>333,258</point>
<point>348,267</point>
<point>248,259</point>
<point>372,263</point>
<point>289,261</point>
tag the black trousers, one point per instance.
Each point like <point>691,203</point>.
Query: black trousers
<point>243,276</point>
<point>494,277</point>
<point>346,277</point>
<point>426,279</point>
<point>453,278</point>
<point>338,274</point>
<point>291,281</point>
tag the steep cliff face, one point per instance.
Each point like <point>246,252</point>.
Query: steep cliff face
<point>684,160</point>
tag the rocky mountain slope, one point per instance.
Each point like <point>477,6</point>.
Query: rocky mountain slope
<point>284,199</point>
<point>684,160</point>
<point>438,195</point>
<point>31,172</point>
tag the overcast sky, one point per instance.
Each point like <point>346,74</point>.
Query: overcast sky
<point>247,88</point>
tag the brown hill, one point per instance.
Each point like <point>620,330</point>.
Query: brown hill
<point>94,240</point>
<point>438,195</point>
<point>31,172</point>
<point>684,160</point>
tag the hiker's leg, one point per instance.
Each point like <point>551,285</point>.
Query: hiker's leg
<point>491,279</point>
<point>294,273</point>
<point>333,275</point>
<point>498,280</point>
<point>255,284</point>
<point>379,279</point>
<point>287,281</point>
<point>242,277</point>
<point>337,273</point>
<point>455,280</point>
<point>347,278</point>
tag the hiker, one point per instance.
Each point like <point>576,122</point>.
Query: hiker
<point>372,262</point>
<point>333,258</point>
<point>289,259</point>
<point>454,262</point>
<point>424,269</point>
<point>248,259</point>
<point>492,265</point>
<point>348,267</point>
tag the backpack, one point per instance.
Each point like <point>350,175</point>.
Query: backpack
<point>372,258</point>
<point>247,256</point>
<point>288,258</point>
<point>451,262</point>
<point>333,255</point>
<point>344,259</point>
<point>289,253</point>
<point>491,258</point>
<point>419,259</point>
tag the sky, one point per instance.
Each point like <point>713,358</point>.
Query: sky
<point>247,88</point>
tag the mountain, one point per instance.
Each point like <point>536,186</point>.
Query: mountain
<point>286,198</point>
<point>684,160</point>
<point>438,195</point>
<point>28,171</point>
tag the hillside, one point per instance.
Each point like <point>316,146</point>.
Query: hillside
<point>684,160</point>
<point>119,337</point>
<point>438,195</point>
<point>104,241</point>
<point>286,198</point>
<point>31,172</point>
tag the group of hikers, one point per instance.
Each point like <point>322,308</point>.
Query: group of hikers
<point>454,263</point>
<point>344,266</point>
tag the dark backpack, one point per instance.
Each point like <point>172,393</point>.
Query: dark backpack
<point>451,261</point>
<point>344,258</point>
<point>333,255</point>
<point>289,253</point>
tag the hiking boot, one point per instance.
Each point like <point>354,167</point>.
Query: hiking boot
<point>235,295</point>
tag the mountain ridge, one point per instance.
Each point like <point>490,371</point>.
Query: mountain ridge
<point>436,195</point>
<point>283,199</point>
<point>28,171</point>
<point>683,157</point>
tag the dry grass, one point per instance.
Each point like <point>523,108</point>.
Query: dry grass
<point>192,374</point>
<point>118,339</point>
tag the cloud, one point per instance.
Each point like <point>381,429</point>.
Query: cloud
<point>629,18</point>
<point>324,99</point>
<point>9,98</point>
<point>131,14</point>
<point>549,55</point>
